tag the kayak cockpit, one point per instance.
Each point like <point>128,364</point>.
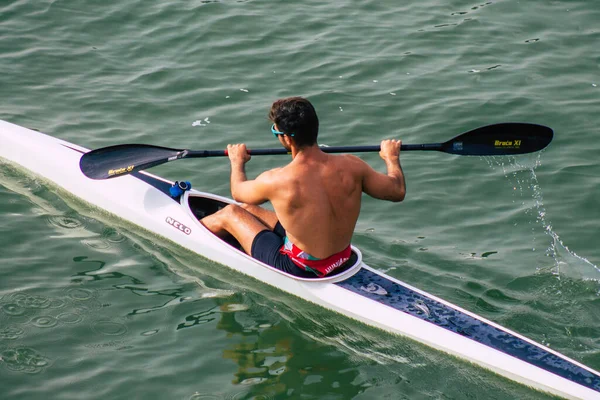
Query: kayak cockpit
<point>202,205</point>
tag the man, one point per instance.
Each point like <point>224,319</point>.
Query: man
<point>316,197</point>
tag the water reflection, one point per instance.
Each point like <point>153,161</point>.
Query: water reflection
<point>273,361</point>
<point>94,274</point>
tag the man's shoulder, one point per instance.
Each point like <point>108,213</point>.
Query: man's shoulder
<point>271,174</point>
<point>351,161</point>
<point>351,158</point>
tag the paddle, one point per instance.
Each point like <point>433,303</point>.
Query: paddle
<point>491,140</point>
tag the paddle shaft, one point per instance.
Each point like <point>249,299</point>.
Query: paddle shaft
<point>492,140</point>
<point>326,149</point>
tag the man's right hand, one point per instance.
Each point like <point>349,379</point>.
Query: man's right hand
<point>390,149</point>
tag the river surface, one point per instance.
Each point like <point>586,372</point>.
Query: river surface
<point>94,308</point>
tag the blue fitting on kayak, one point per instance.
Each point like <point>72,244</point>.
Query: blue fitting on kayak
<point>179,187</point>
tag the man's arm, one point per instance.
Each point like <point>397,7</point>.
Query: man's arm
<point>244,190</point>
<point>390,186</point>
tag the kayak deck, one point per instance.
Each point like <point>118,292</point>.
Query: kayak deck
<point>400,297</point>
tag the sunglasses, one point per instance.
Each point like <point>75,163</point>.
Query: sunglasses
<point>276,132</point>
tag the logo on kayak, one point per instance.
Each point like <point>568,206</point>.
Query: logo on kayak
<point>507,144</point>
<point>120,171</point>
<point>178,225</point>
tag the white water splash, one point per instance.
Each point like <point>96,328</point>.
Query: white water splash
<point>200,122</point>
<point>521,173</point>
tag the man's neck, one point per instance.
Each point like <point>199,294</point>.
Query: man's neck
<point>306,152</point>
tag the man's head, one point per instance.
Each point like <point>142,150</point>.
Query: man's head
<point>295,115</point>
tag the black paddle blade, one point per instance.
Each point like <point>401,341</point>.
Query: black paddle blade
<point>500,140</point>
<point>113,161</point>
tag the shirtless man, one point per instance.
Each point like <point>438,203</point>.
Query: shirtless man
<point>316,197</point>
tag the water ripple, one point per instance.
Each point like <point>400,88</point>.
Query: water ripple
<point>109,328</point>
<point>24,359</point>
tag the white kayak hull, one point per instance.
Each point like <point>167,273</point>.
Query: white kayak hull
<point>359,292</point>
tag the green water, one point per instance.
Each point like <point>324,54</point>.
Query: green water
<point>93,308</point>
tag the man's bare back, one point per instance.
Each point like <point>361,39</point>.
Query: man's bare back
<point>316,199</point>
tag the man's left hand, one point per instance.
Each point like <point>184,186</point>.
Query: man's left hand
<point>238,154</point>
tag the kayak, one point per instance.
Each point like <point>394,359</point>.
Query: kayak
<point>354,290</point>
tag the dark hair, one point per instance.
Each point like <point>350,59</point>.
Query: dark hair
<point>296,115</point>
